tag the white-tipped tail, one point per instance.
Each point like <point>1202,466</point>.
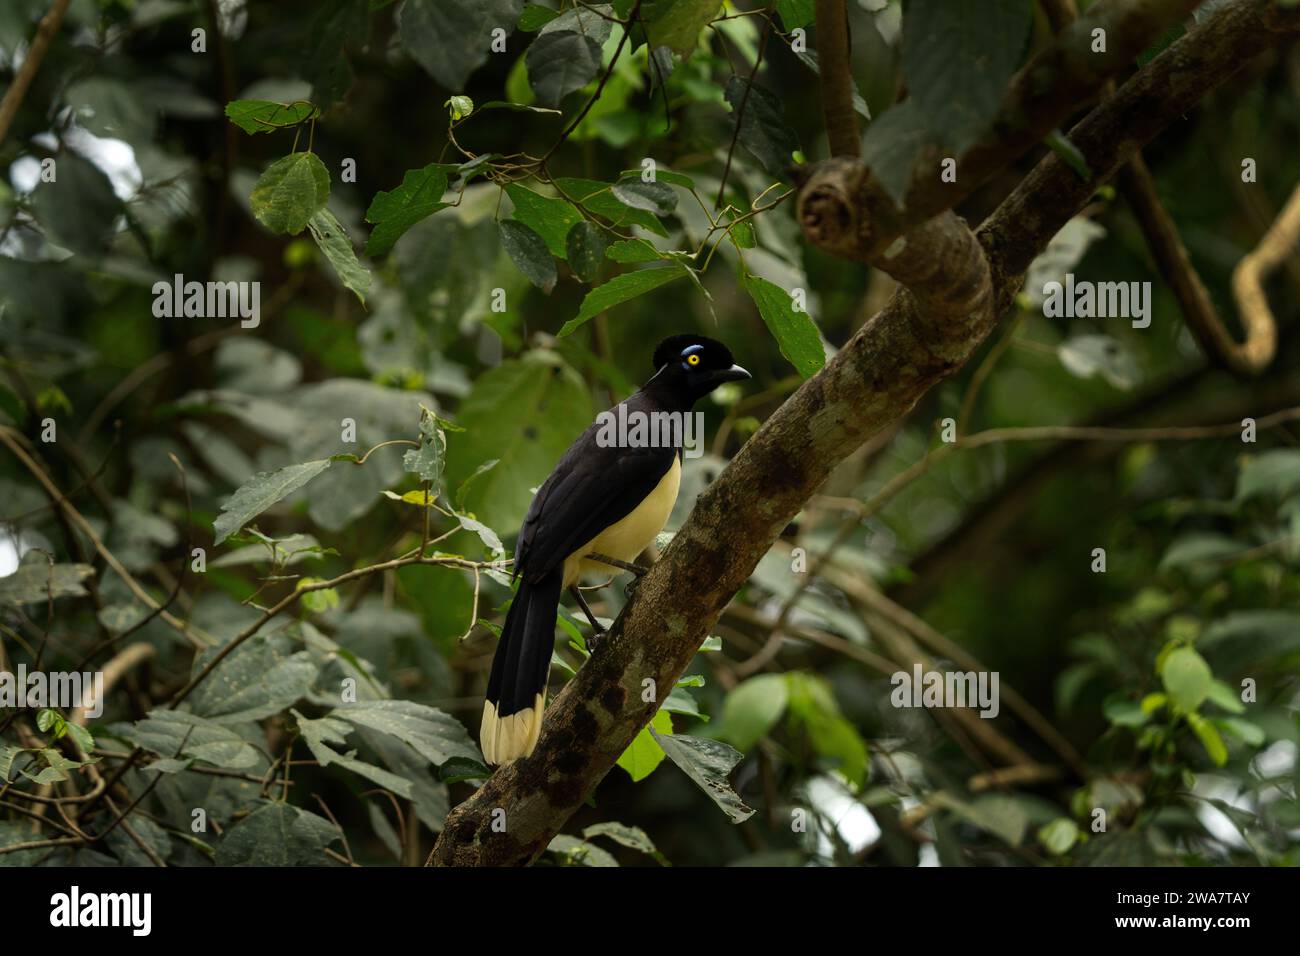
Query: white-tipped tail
<point>504,739</point>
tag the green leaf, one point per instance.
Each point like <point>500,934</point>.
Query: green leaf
<point>529,252</point>
<point>524,413</point>
<point>752,709</point>
<point>7,755</point>
<point>632,250</point>
<point>575,852</point>
<point>263,676</point>
<point>290,192</point>
<point>560,62</point>
<point>709,763</point>
<point>585,249</point>
<point>1199,547</point>
<point>85,740</point>
<point>460,107</point>
<point>319,734</point>
<point>620,289</point>
<point>1273,473</point>
<point>1059,836</point>
<point>333,240</point>
<point>1001,816</point>
<point>263,116</point>
<point>1124,712</point>
<point>812,703</point>
<point>277,834</point>
<point>677,24</point>
<point>427,461</point>
<point>262,491</point>
<point>79,209</point>
<point>1225,697</point>
<point>654,197</point>
<point>644,754</point>
<point>1187,678</point>
<point>392,213</point>
<point>634,838</point>
<point>36,581</point>
<point>453,38</point>
<point>436,736</point>
<point>1247,732</point>
<point>597,197</point>
<point>163,731</point>
<point>535,16</point>
<point>1209,737</point>
<point>478,473</point>
<point>795,13</point>
<point>549,217</point>
<point>958,56</point>
<point>763,129</point>
<point>891,146</point>
<point>795,332</point>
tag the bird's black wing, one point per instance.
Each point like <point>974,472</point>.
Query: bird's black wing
<point>590,489</point>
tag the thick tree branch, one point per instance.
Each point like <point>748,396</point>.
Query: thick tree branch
<point>877,377</point>
<point>1040,97</point>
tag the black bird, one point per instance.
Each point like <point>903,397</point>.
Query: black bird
<point>610,495</point>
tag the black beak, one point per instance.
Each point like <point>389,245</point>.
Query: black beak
<point>733,374</point>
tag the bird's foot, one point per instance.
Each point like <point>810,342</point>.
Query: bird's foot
<point>595,639</point>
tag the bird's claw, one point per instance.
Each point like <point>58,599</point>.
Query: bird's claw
<point>596,639</point>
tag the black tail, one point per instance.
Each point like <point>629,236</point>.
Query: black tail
<point>516,691</point>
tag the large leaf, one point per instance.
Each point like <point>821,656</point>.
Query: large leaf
<point>677,24</point>
<point>319,734</point>
<point>36,581</point>
<point>751,709</point>
<point>453,38</point>
<point>1186,677</point>
<point>174,733</point>
<point>644,754</point>
<point>392,213</point>
<point>763,129</point>
<point>261,677</point>
<point>891,145</point>
<point>957,58</point>
<point>79,209</point>
<point>333,241</point>
<point>435,735</point>
<point>524,413</point>
<point>528,251</point>
<point>262,491</point>
<point>277,834</point>
<point>795,332</point>
<point>597,197</point>
<point>263,116</point>
<point>708,763</point>
<point>1273,473</point>
<point>620,289</point>
<point>560,62</point>
<point>549,217</point>
<point>290,192</point>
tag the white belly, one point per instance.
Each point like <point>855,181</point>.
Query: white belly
<point>628,537</point>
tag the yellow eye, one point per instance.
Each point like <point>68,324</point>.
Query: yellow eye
<point>692,360</point>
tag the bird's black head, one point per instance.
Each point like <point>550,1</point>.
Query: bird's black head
<point>691,366</point>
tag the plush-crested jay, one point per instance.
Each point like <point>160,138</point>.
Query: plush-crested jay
<point>609,498</point>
